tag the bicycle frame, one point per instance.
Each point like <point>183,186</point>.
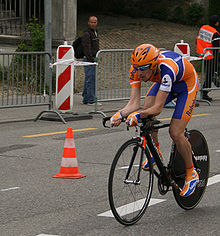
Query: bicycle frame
<point>131,185</point>
<point>163,170</point>
<point>164,174</point>
<point>148,146</point>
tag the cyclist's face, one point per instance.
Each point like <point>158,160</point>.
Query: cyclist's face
<point>145,75</point>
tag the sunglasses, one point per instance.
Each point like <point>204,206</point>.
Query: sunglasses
<point>142,68</point>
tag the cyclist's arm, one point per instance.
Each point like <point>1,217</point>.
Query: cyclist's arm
<point>134,102</point>
<point>168,76</point>
<point>158,105</point>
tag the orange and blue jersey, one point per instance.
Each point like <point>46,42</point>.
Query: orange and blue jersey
<point>177,76</point>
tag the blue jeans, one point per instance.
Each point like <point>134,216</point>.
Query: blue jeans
<point>89,84</point>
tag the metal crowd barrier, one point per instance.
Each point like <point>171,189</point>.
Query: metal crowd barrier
<point>210,75</point>
<point>22,79</point>
<point>112,75</point>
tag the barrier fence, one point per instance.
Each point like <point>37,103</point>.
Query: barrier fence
<point>23,81</point>
<point>210,76</point>
<point>112,75</point>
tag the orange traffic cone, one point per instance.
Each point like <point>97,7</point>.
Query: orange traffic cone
<point>69,166</point>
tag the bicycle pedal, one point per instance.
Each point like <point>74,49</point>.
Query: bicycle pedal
<point>176,186</point>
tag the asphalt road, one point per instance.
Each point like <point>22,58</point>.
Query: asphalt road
<point>34,203</point>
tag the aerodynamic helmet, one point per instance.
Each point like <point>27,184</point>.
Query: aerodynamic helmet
<point>145,55</point>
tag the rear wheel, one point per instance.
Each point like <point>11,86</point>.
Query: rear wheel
<point>129,186</point>
<point>201,163</point>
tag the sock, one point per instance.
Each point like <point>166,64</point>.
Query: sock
<point>189,170</point>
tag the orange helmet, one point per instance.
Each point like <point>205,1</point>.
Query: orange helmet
<point>145,54</point>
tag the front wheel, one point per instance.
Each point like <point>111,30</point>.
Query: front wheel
<point>129,187</point>
<point>201,163</point>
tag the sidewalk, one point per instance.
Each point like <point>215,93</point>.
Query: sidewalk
<point>21,114</point>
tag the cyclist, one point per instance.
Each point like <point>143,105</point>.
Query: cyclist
<point>173,77</point>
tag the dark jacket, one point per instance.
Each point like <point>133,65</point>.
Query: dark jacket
<point>216,37</point>
<point>215,42</point>
<point>90,44</point>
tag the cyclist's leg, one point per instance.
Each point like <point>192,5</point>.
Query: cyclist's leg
<point>186,98</point>
<point>200,149</point>
<point>177,129</point>
<point>149,102</point>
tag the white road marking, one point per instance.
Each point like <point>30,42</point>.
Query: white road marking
<point>47,235</point>
<point>217,150</point>
<point>8,189</point>
<point>213,180</point>
<point>130,207</point>
<point>126,167</point>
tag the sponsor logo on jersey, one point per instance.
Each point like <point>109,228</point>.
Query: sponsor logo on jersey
<point>189,112</point>
<point>178,58</point>
<point>166,81</point>
<point>132,74</point>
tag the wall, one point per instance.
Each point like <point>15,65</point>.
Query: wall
<point>64,20</point>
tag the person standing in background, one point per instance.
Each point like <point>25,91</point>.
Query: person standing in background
<point>90,43</point>
<point>209,36</point>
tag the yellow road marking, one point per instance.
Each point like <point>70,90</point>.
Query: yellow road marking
<point>164,119</point>
<point>86,129</point>
<point>204,114</point>
<point>196,115</point>
<point>58,132</point>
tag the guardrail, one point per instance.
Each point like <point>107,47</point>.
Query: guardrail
<point>23,81</point>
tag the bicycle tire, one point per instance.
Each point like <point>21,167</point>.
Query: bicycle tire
<point>128,202</point>
<point>201,163</point>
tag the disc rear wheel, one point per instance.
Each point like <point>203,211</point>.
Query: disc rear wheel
<point>201,164</point>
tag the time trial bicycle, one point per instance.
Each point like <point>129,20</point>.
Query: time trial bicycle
<point>130,187</point>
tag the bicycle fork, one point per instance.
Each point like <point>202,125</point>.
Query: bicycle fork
<point>135,149</point>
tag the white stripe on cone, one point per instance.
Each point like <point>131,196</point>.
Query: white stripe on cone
<point>69,143</point>
<point>69,162</point>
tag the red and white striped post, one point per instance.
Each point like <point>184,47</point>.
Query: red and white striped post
<point>182,48</point>
<point>64,79</point>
